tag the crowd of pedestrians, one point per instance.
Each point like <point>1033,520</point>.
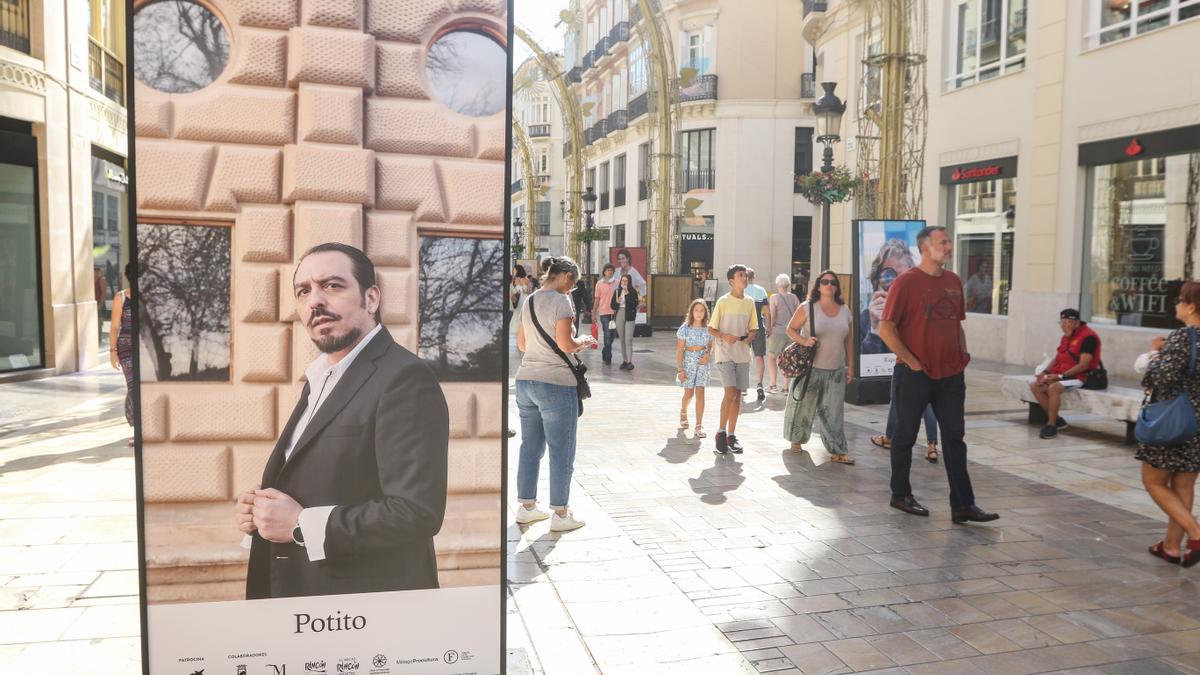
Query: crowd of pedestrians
<point>916,312</point>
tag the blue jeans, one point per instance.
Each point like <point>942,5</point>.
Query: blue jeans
<point>606,335</point>
<point>549,418</point>
<point>931,430</point>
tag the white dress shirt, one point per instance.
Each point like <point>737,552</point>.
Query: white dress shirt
<point>322,377</point>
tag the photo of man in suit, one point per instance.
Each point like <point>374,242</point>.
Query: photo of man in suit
<point>355,488</point>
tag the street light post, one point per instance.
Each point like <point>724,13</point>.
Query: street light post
<point>516,239</point>
<point>589,211</point>
<point>828,110</point>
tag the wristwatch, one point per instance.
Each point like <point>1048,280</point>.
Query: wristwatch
<point>298,535</point>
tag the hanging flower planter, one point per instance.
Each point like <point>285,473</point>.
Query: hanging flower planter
<point>830,187</point>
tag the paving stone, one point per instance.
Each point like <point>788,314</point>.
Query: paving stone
<point>814,659</point>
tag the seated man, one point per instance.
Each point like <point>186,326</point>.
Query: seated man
<point>1078,353</point>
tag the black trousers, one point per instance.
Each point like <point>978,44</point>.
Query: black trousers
<point>912,391</point>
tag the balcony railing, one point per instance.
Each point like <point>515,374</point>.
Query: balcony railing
<point>14,24</point>
<point>515,187</point>
<point>603,201</point>
<point>619,33</point>
<point>591,134</point>
<point>619,196</point>
<point>635,13</point>
<point>639,106</point>
<point>587,60</point>
<point>1016,23</point>
<point>703,89</point>
<point>105,71</point>
<point>815,6</point>
<point>618,120</point>
<point>575,75</point>
<point>539,130</point>
<point>602,46</point>
<point>699,179</point>
<point>808,86</point>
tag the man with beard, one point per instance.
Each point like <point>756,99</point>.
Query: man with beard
<point>355,488</point>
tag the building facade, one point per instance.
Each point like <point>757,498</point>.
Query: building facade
<point>745,129</point>
<point>268,129</point>
<point>536,109</point>
<point>63,205</point>
<point>1063,154</point>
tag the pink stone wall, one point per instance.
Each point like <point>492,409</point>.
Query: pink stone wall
<point>321,128</point>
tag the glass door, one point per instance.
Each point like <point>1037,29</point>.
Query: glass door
<point>20,311</point>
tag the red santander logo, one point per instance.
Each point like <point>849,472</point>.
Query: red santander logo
<point>975,172</point>
<point>1134,148</point>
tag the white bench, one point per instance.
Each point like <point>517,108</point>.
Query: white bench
<point>1119,403</point>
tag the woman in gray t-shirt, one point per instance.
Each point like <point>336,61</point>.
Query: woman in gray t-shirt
<point>821,395</point>
<point>546,396</point>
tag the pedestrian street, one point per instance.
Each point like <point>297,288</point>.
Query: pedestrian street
<point>782,562</point>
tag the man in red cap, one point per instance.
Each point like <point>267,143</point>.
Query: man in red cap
<point>1078,354</point>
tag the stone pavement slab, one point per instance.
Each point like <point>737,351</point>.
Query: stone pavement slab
<point>68,528</point>
<point>799,565</point>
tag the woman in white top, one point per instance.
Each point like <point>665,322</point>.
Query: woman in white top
<point>780,308</point>
<point>822,394</point>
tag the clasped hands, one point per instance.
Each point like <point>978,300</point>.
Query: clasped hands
<point>269,512</point>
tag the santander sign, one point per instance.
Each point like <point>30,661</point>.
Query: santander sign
<point>975,172</point>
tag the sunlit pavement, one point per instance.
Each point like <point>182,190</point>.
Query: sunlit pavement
<point>775,561</point>
<point>68,528</point>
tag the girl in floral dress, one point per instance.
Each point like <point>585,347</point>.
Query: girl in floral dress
<point>694,348</point>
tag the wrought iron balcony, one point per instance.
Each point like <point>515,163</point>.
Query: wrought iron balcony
<point>635,12</point>
<point>699,179</point>
<point>601,128</point>
<point>619,33</point>
<point>515,187</point>
<point>592,134</point>
<point>575,75</point>
<point>808,86</point>
<point>14,25</point>
<point>602,46</point>
<point>703,89</point>
<point>815,6</point>
<point>639,106</point>
<point>106,72</point>
<point>587,60</point>
<point>618,120</point>
<point>539,130</point>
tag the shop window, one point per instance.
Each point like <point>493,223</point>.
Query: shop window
<point>179,46</point>
<point>20,307</point>
<point>1112,20</point>
<point>983,213</point>
<point>467,71</point>
<point>989,40</point>
<point>184,297</point>
<point>461,311</point>
<point>1143,218</point>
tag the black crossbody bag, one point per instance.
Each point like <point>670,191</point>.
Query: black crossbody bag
<point>577,368</point>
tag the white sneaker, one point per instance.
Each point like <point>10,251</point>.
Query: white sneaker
<point>526,516</point>
<point>565,523</point>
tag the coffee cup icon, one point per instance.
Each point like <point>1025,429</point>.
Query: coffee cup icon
<point>1143,245</point>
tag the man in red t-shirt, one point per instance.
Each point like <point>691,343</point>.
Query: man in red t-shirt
<point>922,325</point>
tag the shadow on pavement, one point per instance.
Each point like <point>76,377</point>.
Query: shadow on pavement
<point>725,475</point>
<point>95,455</point>
<point>680,449</point>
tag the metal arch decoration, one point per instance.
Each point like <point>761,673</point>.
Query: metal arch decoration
<point>521,143</point>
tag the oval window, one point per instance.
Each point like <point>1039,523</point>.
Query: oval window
<point>468,73</point>
<point>178,46</point>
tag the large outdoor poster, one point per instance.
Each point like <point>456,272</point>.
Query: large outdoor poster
<point>319,312</point>
<point>885,249</point>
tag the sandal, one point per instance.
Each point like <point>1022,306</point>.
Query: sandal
<point>842,459</point>
<point>772,390</point>
<point>1193,553</point>
<point>699,432</point>
<point>1158,552</point>
<point>683,422</point>
<point>882,441</point>
<point>931,455</point>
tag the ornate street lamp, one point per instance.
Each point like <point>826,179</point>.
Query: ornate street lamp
<point>516,239</point>
<point>828,110</point>
<point>589,211</point>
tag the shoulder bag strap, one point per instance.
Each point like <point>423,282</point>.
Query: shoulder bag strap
<point>553,345</point>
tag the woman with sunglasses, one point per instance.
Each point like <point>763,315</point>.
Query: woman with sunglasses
<point>821,395</point>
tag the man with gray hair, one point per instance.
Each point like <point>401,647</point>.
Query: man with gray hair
<point>922,325</point>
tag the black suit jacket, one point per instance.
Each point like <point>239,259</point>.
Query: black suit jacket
<point>377,449</point>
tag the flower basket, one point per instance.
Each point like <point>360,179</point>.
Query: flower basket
<point>830,187</point>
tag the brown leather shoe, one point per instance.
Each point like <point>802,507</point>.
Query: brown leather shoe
<point>909,505</point>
